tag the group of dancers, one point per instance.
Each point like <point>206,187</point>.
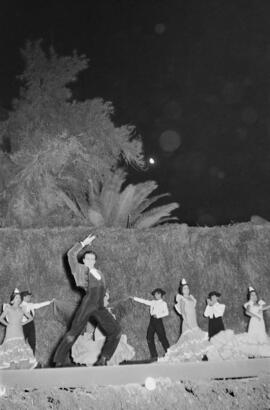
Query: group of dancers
<point>18,348</point>
<point>218,343</point>
<point>95,336</point>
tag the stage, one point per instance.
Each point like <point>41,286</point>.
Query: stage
<point>72,377</point>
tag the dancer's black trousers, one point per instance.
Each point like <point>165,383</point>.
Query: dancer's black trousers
<point>156,327</point>
<point>90,309</point>
<point>215,325</point>
<point>29,332</point>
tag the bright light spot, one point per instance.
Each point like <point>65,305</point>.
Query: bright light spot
<point>3,391</point>
<point>170,140</point>
<point>150,383</point>
<point>151,161</point>
<point>160,28</point>
<point>221,174</point>
<point>217,173</point>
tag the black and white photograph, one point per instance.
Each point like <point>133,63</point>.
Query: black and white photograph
<point>135,205</point>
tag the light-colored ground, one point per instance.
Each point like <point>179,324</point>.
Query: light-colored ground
<point>231,394</point>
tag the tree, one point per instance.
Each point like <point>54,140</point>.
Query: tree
<point>107,204</point>
<point>57,140</point>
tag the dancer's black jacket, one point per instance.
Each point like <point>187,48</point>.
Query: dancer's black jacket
<point>91,307</point>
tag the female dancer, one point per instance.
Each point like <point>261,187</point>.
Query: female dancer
<point>254,343</point>
<point>15,352</point>
<point>193,342</point>
<point>254,309</point>
<point>88,346</point>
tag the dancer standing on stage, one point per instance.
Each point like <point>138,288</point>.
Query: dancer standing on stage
<point>158,310</point>
<point>193,342</point>
<point>88,346</point>
<point>15,353</point>
<point>29,329</point>
<point>254,308</point>
<point>214,311</point>
<point>92,306</point>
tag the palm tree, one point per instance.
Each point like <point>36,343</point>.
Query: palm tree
<point>108,204</point>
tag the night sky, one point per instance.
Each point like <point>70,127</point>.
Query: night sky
<point>193,76</point>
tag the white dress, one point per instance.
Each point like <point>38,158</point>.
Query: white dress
<point>15,353</point>
<point>256,326</point>
<point>254,343</point>
<point>193,342</point>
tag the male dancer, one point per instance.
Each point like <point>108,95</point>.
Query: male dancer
<point>214,311</point>
<point>29,329</point>
<point>158,310</point>
<point>92,306</point>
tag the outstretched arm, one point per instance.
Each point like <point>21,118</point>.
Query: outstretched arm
<point>143,301</point>
<point>39,305</point>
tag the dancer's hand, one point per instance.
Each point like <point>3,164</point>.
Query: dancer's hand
<point>88,240</point>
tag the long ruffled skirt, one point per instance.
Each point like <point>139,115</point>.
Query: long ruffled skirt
<point>191,346</point>
<point>86,350</point>
<point>227,346</point>
<point>15,353</point>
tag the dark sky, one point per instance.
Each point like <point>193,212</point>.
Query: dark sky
<point>193,76</point>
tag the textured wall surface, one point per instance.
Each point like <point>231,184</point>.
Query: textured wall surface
<point>227,259</point>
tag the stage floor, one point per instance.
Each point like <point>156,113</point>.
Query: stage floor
<point>72,377</point>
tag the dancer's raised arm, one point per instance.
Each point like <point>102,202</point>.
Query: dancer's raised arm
<point>78,270</point>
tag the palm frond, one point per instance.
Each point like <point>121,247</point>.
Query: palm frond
<point>146,204</point>
<point>142,192</point>
<point>109,196</point>
<point>152,217</point>
<point>125,206</point>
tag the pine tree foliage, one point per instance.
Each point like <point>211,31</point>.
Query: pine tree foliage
<point>57,140</point>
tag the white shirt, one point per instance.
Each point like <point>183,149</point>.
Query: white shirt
<point>158,308</point>
<point>30,307</point>
<point>95,273</point>
<point>216,310</point>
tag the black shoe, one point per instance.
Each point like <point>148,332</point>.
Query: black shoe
<point>58,365</point>
<point>68,364</point>
<point>102,361</point>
